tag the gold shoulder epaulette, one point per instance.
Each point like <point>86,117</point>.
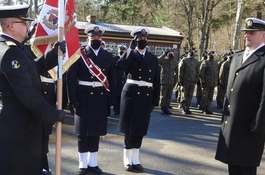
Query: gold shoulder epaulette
<point>11,43</point>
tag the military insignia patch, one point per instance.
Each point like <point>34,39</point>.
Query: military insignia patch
<point>51,20</point>
<point>143,31</point>
<point>15,64</point>
<point>96,29</point>
<point>249,23</point>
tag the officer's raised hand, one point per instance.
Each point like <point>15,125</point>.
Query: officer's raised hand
<point>133,43</point>
<point>61,45</point>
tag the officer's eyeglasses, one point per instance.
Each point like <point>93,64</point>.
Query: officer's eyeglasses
<point>24,22</point>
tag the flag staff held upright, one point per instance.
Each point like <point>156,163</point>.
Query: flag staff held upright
<point>61,16</point>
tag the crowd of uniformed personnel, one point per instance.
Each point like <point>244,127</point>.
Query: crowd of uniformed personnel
<point>134,81</point>
<point>205,74</point>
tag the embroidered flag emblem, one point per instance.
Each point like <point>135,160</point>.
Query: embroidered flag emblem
<point>15,64</point>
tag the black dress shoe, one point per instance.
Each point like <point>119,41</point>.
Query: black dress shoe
<point>138,167</point>
<point>208,111</point>
<point>95,169</point>
<point>82,171</point>
<point>128,167</point>
<point>163,111</point>
<point>168,111</point>
<point>188,111</point>
<point>46,173</point>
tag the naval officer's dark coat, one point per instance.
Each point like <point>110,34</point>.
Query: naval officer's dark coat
<point>22,108</point>
<point>91,115</point>
<point>120,78</point>
<point>137,101</point>
<point>244,109</point>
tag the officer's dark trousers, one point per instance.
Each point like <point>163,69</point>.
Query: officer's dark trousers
<point>45,164</point>
<point>116,106</point>
<point>87,143</point>
<point>241,170</point>
<point>132,141</point>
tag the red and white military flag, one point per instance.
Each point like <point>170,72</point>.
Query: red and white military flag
<point>47,33</point>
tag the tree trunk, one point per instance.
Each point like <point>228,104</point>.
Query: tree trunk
<point>204,27</point>
<point>240,9</point>
<point>208,28</point>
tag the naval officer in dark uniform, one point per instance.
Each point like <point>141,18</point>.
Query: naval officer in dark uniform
<point>139,95</point>
<point>90,81</point>
<point>22,107</point>
<point>242,133</point>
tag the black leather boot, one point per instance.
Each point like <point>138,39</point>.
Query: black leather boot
<point>168,111</point>
<point>163,110</point>
<point>188,110</point>
<point>208,111</point>
<point>183,109</point>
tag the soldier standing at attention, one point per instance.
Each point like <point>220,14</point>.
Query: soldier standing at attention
<point>120,80</point>
<point>199,87</point>
<point>178,88</point>
<point>167,78</point>
<point>208,79</point>
<point>223,75</point>
<point>188,77</point>
<point>219,97</point>
<point>90,85</point>
<point>23,110</point>
<point>139,95</point>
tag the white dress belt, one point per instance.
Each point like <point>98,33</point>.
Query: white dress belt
<point>46,80</point>
<point>139,83</point>
<point>92,84</point>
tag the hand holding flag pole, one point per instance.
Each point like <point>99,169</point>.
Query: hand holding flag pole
<point>61,17</point>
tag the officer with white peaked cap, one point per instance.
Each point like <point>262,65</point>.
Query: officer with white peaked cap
<point>90,88</point>
<point>139,95</point>
<point>242,131</point>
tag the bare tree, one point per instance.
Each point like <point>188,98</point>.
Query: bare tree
<point>240,8</point>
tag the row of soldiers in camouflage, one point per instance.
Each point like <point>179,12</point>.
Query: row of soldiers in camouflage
<point>223,67</point>
<point>188,72</point>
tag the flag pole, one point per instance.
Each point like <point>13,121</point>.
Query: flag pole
<point>61,17</point>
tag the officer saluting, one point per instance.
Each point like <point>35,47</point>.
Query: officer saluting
<point>90,81</point>
<point>139,95</point>
<point>22,107</point>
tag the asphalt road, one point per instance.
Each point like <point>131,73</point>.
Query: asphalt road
<point>175,145</point>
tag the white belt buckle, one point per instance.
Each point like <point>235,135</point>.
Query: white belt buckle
<point>93,84</point>
<point>141,83</point>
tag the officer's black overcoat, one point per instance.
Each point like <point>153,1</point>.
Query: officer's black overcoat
<point>22,108</point>
<point>91,115</point>
<point>120,78</point>
<point>244,109</point>
<point>136,101</point>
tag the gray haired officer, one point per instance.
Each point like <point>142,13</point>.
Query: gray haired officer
<point>23,110</point>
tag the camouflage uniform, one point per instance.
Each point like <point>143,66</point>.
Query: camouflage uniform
<point>199,88</point>
<point>209,80</point>
<point>188,77</point>
<point>220,91</point>
<point>167,79</point>
<point>223,78</point>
